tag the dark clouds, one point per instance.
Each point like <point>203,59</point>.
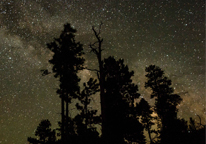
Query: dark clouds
<point>169,34</point>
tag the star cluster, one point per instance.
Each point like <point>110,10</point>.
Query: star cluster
<point>167,33</point>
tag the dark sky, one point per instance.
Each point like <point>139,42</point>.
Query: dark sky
<point>167,33</point>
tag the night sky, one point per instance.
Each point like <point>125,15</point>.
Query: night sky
<point>167,33</point>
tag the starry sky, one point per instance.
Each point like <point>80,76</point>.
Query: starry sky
<point>167,33</point>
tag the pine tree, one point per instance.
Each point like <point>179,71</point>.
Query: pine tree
<point>67,61</point>
<point>86,120</point>
<point>165,101</point>
<point>44,134</point>
<point>120,94</point>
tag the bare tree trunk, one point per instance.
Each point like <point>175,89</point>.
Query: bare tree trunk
<point>63,120</point>
<point>86,113</point>
<point>100,75</point>
<point>102,98</point>
<point>67,116</point>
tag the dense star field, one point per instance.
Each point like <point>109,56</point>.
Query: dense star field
<point>167,33</point>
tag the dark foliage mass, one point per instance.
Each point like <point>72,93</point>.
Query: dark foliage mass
<point>44,134</point>
<point>123,119</point>
<point>120,95</point>
<point>67,61</point>
<point>165,102</point>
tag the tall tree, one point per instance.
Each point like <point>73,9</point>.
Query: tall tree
<point>106,106</point>
<point>165,101</point>
<point>96,48</point>
<point>67,61</point>
<point>44,134</point>
<point>120,95</point>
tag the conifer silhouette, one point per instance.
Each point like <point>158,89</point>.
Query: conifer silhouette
<point>86,120</point>
<point>67,61</point>
<point>165,101</point>
<point>120,94</point>
<point>44,134</point>
<point>122,119</point>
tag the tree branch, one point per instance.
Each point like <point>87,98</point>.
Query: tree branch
<point>97,34</point>
<point>93,49</point>
<point>92,69</point>
<point>98,75</point>
<point>200,121</point>
<point>45,72</point>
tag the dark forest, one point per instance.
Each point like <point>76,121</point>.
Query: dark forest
<point>125,116</point>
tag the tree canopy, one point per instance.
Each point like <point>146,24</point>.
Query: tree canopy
<point>123,119</point>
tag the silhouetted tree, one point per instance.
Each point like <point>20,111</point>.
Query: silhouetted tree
<point>87,118</point>
<point>144,109</point>
<point>67,61</point>
<point>44,134</point>
<point>120,94</point>
<point>165,101</point>
<point>96,48</point>
<point>71,136</point>
<point>112,130</point>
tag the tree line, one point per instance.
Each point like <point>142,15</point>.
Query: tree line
<point>123,119</point>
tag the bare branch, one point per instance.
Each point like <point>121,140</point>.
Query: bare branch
<point>98,76</point>
<point>96,49</point>
<point>92,69</point>
<point>45,72</point>
<point>200,121</point>
<point>94,43</point>
<point>94,31</point>
<point>100,26</point>
<point>93,49</point>
<point>97,34</point>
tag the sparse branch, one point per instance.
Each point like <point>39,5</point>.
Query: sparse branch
<point>93,49</point>
<point>45,72</point>
<point>92,69</point>
<point>200,121</point>
<point>97,34</point>
<point>96,48</point>
<point>98,76</point>
<point>100,26</point>
<point>94,43</point>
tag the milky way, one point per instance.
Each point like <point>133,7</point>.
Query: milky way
<point>167,33</point>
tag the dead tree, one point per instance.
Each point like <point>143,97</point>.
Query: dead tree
<point>96,48</point>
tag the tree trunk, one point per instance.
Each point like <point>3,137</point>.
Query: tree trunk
<point>86,113</point>
<point>102,98</point>
<point>63,119</point>
<point>67,116</point>
<point>101,81</point>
